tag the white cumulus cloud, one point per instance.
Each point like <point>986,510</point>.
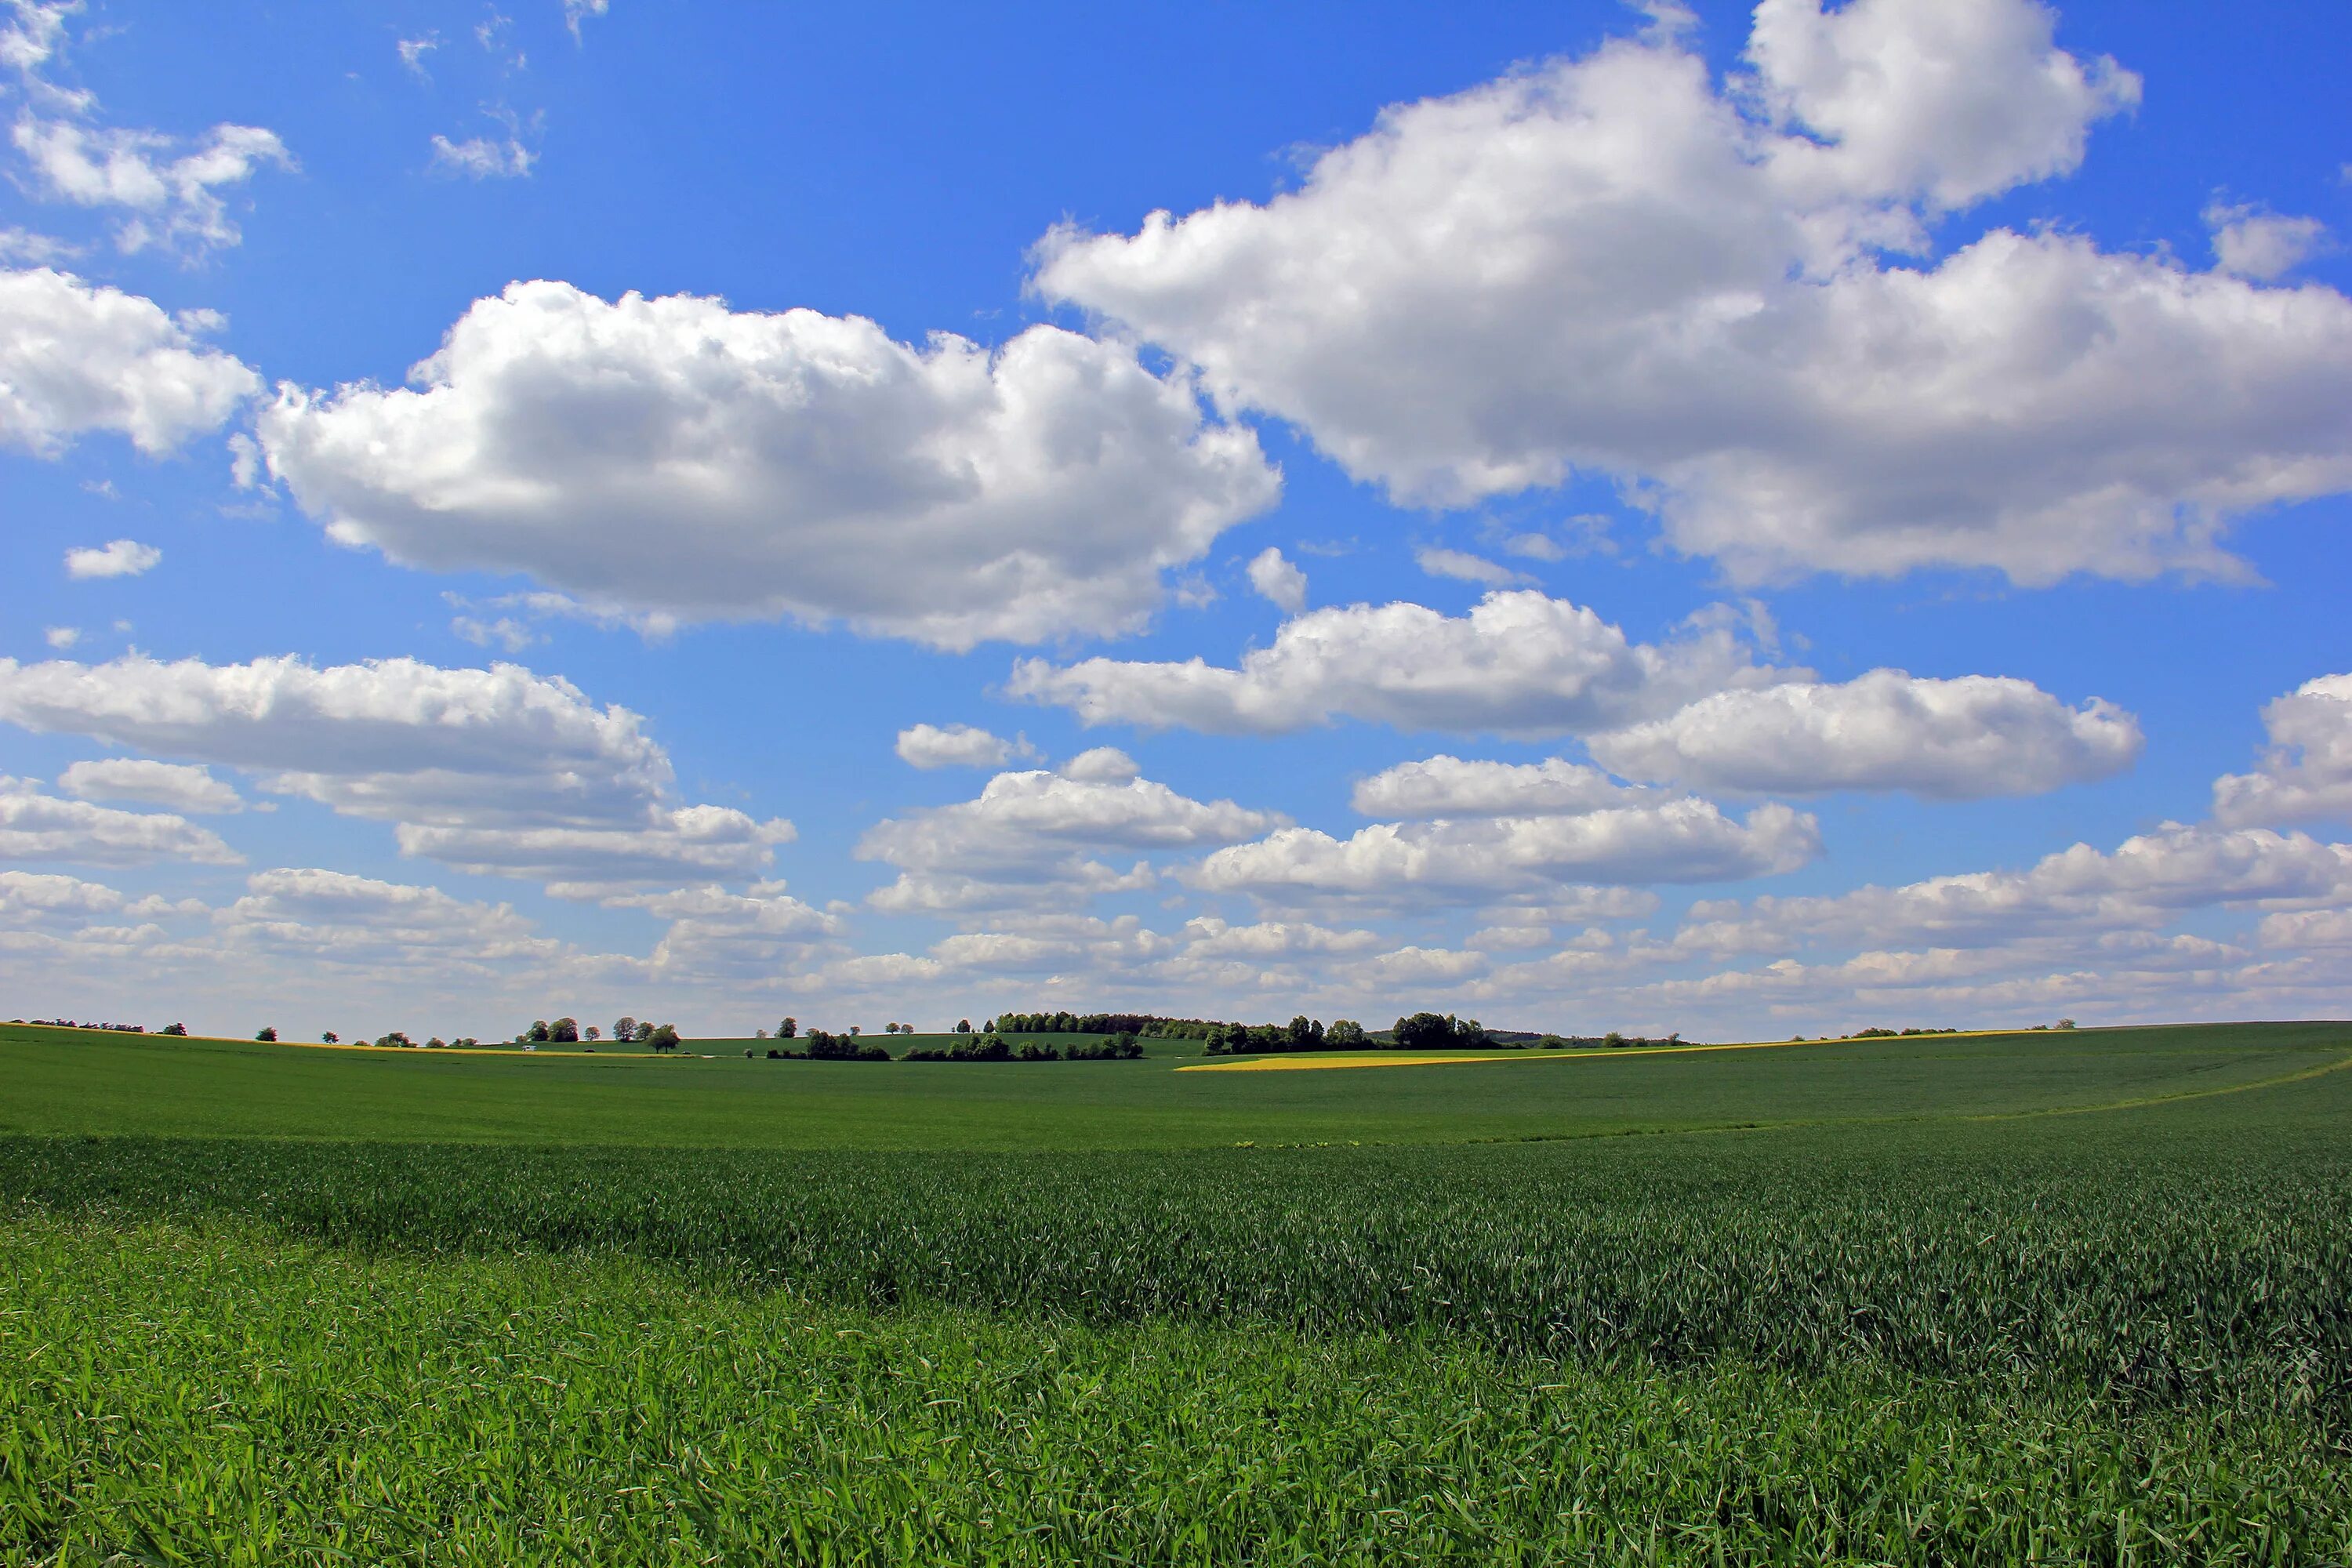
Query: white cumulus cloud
<point>1620,266</point>
<point>958,746</point>
<point>77,357</point>
<point>499,770</point>
<point>121,558</point>
<point>1031,836</point>
<point>179,786</point>
<point>1477,860</point>
<point>2259,245</point>
<point>2306,773</point>
<point>169,191</point>
<point>1518,664</point>
<point>2147,880</point>
<point>1278,581</point>
<point>677,457</point>
<point>1950,740</point>
<point>1446,786</point>
<point>38,827</point>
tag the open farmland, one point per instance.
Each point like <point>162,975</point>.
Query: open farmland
<point>1956,1298</point>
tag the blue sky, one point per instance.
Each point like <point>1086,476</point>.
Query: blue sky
<point>1583,516</point>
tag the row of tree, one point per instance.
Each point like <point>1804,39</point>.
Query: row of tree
<point>994,1047</point>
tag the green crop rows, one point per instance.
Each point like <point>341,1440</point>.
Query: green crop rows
<point>2119,1334</point>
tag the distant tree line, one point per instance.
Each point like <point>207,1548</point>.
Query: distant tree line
<point>70,1024</point>
<point>822,1045</point>
<point>1090,1024</point>
<point>992,1046</point>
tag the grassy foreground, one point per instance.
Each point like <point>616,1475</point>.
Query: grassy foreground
<point>2096,1308</point>
<point>228,1396</point>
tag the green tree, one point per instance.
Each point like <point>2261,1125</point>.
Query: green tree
<point>624,1028</point>
<point>329,1036</point>
<point>1345,1032</point>
<point>788,1029</point>
<point>564,1031</point>
<point>963,1026</point>
<point>265,1033</point>
<point>664,1039</point>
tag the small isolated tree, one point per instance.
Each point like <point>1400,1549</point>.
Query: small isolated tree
<point>624,1028</point>
<point>329,1036</point>
<point>789,1029</point>
<point>564,1031</point>
<point>2066,1023</point>
<point>537,1032</point>
<point>664,1039</point>
<point>264,1033</point>
<point>173,1030</point>
<point>963,1026</point>
<point>589,1033</point>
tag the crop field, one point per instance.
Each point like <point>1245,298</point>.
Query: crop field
<point>1990,1299</point>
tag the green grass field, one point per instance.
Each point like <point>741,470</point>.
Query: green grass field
<point>1996,1299</point>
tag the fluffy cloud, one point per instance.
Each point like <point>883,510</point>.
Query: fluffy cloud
<point>320,916</point>
<point>585,862</point>
<point>1518,664</point>
<point>120,558</point>
<point>1029,837</point>
<point>495,770</point>
<point>1950,740</point>
<point>1952,102</point>
<point>175,784</point>
<point>57,920</point>
<point>170,193</point>
<point>1101,764</point>
<point>1618,265</point>
<point>41,897</point>
<point>2145,882</point>
<point>37,826</point>
<point>1210,937</point>
<point>76,357</point>
<point>1476,861</point>
<point>715,934</point>
<point>2259,245</point>
<point>1449,786</point>
<point>671,455</point>
<point>1278,581</point>
<point>2308,772</point>
<point>958,746</point>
